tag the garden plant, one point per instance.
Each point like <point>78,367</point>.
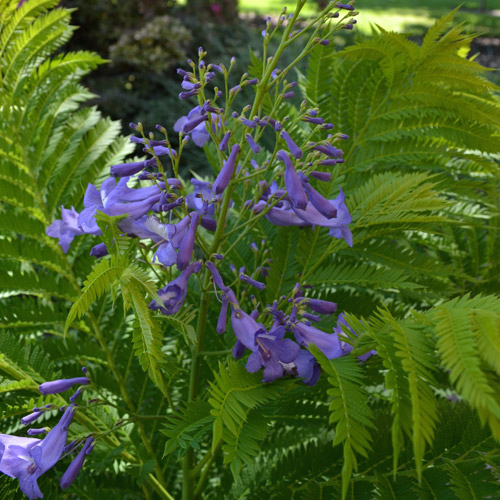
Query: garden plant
<point>317,318</point>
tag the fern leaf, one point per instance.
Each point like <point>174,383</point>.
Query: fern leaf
<point>349,410</point>
<point>103,275</point>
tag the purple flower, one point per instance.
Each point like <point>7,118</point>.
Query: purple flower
<point>194,123</point>
<point>292,182</point>
<point>250,281</point>
<point>36,432</point>
<point>99,250</point>
<point>305,366</point>
<point>28,419</point>
<point>248,123</point>
<point>272,350</point>
<point>319,306</point>
<point>281,216</point>
<point>169,236</point>
<point>61,385</point>
<point>127,169</point>
<point>76,465</point>
<point>338,225</point>
<point>321,176</point>
<point>344,6</point>
<point>16,461</point>
<point>328,150</point>
<point>187,245</point>
<point>225,141</point>
<point>115,199</point>
<point>328,343</point>
<point>245,328</point>
<point>28,458</point>
<point>226,173</point>
<point>65,228</point>
<point>314,120</point>
<point>320,203</point>
<point>222,320</point>
<point>49,450</point>
<point>174,294</point>
<point>253,145</point>
<point>294,149</point>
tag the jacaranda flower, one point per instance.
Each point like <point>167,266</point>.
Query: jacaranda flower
<point>65,228</point>
<point>56,386</point>
<point>198,132</point>
<point>226,173</point>
<point>174,294</point>
<point>187,245</point>
<point>292,182</point>
<point>328,343</point>
<point>76,465</point>
<point>28,458</point>
<point>272,350</point>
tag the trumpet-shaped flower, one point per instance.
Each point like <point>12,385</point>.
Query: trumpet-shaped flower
<point>65,228</point>
<point>174,294</point>
<point>272,350</point>
<point>76,465</point>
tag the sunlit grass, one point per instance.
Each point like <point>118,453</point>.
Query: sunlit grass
<point>410,16</point>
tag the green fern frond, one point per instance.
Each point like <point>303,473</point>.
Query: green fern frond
<point>233,395</point>
<point>187,428</point>
<point>467,331</point>
<point>105,273</point>
<point>349,410</point>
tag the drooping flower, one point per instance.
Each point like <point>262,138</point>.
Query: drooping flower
<point>174,293</point>
<point>253,145</point>
<point>319,306</point>
<point>272,350</point>
<point>76,465</point>
<point>56,386</point>
<point>65,228</point>
<point>222,320</point>
<point>328,343</point>
<point>294,149</point>
<point>319,202</point>
<point>29,419</point>
<point>292,182</point>
<point>245,327</point>
<point>186,248</point>
<point>224,141</point>
<point>28,458</point>
<point>304,366</point>
<point>199,131</point>
<point>226,173</point>
<point>338,225</point>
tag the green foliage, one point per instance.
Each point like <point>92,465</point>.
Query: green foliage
<point>467,331</point>
<point>234,397</point>
<point>349,410</point>
<point>51,149</point>
<point>421,182</point>
<point>187,428</point>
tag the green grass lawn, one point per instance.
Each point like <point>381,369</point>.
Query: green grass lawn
<point>411,16</point>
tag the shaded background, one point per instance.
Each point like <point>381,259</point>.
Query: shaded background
<point>146,40</point>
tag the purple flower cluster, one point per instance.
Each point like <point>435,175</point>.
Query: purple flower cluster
<point>26,459</point>
<point>269,348</point>
<point>170,221</point>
